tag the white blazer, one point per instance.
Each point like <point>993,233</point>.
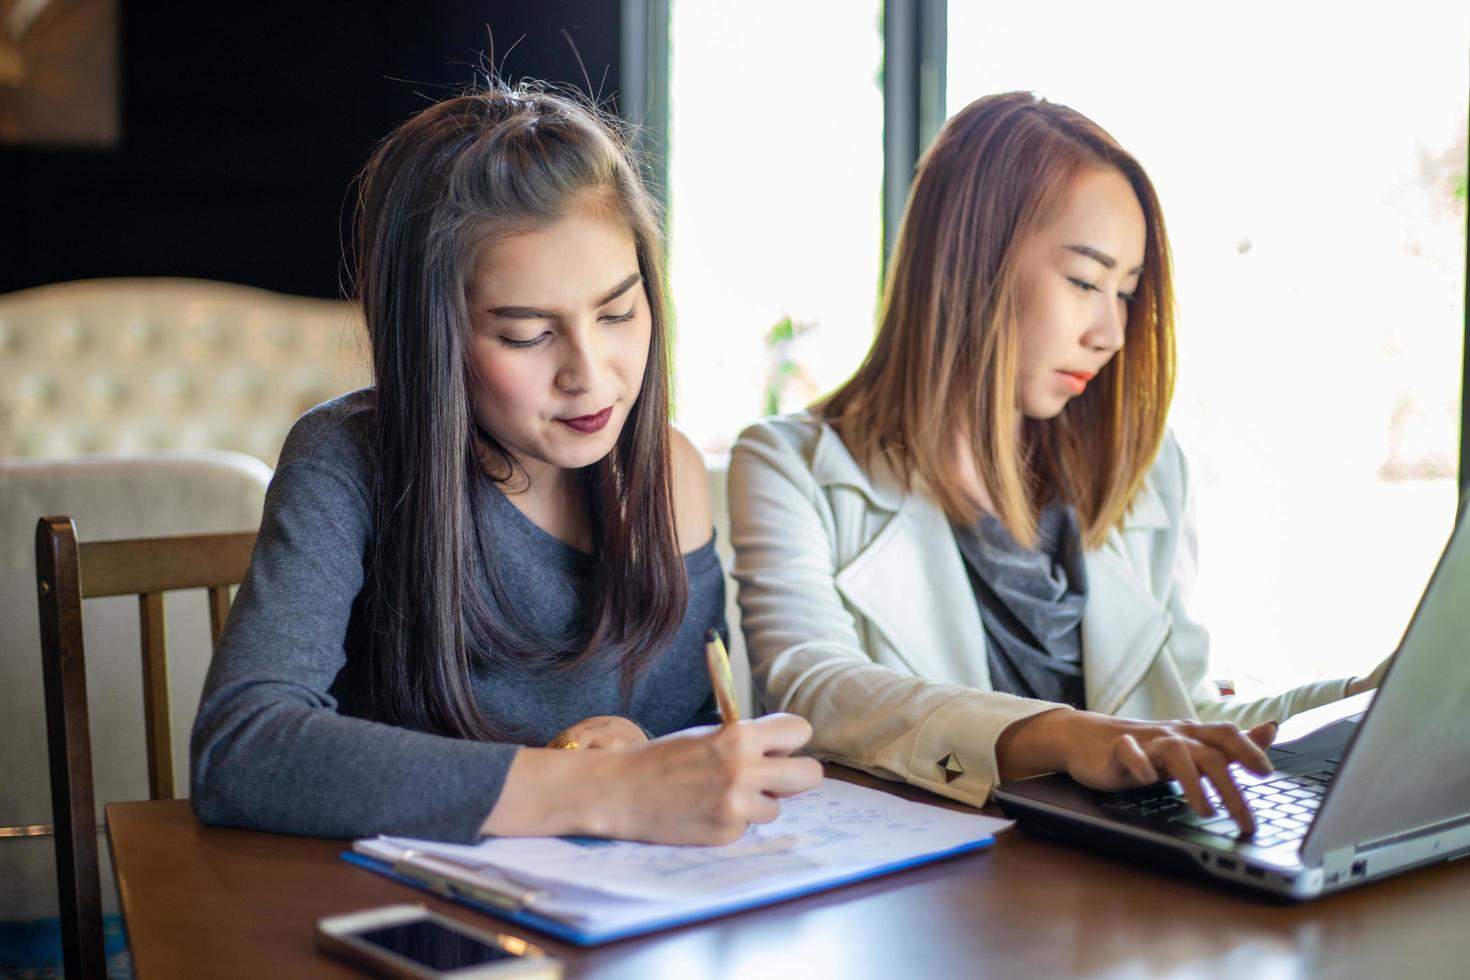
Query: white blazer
<point>858,614</point>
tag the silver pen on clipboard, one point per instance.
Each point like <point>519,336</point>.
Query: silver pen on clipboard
<point>452,880</point>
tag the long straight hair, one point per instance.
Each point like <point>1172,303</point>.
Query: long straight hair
<point>946,359</point>
<point>454,177</point>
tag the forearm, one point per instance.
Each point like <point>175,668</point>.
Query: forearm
<point>1036,744</point>
<point>267,763</point>
<point>861,713</point>
<point>557,792</point>
<point>1249,713</point>
<point>896,725</point>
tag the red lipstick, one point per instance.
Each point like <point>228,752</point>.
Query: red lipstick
<point>588,424</point>
<point>1077,380</point>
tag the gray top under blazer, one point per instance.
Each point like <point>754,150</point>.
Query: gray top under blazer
<point>1031,602</point>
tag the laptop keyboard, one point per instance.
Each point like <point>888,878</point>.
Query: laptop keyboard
<point>1282,805</point>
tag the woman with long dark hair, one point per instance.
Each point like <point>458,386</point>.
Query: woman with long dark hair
<point>972,561</point>
<point>503,543</point>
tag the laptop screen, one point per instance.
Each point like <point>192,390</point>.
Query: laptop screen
<point>1409,766</point>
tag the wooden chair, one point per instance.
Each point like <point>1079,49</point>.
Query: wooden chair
<point>67,573</point>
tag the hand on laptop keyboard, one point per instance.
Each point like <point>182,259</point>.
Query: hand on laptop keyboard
<point>1118,753</point>
<point>1282,805</point>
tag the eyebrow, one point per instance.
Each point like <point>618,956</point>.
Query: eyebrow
<point>531,313</point>
<point>1102,258</point>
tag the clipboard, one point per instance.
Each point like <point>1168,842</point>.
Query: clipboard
<point>502,909</point>
<point>504,896</point>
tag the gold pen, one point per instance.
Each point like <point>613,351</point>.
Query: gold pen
<point>720,677</point>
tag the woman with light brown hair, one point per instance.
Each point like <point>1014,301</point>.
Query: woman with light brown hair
<point>972,561</point>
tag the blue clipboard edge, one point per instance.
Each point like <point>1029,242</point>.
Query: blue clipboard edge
<point>562,931</point>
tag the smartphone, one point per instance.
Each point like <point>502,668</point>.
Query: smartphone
<point>411,942</point>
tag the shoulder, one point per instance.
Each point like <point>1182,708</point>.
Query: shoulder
<point>334,439</point>
<point>693,519</point>
<point>786,446</point>
<point>796,435</point>
<point>1169,475</point>
<point>804,451</point>
<point>1162,500</point>
<point>337,428</point>
<point>319,505</point>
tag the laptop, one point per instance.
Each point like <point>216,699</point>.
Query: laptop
<point>1367,796</point>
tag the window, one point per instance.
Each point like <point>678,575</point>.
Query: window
<point>775,213</point>
<point>1311,163</point>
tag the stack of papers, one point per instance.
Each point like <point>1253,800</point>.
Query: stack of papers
<point>592,890</point>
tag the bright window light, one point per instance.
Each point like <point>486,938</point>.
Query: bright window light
<point>775,184</point>
<point>1311,162</point>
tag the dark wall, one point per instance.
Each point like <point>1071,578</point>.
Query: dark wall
<point>243,127</point>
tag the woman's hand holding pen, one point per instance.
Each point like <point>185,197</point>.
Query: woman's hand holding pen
<point>704,786</point>
<point>1117,753</point>
<point>700,786</point>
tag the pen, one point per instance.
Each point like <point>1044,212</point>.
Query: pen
<point>720,678</point>
<point>444,878</point>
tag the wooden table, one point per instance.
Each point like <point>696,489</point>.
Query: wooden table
<point>212,902</point>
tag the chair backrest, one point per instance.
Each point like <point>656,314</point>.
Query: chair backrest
<point>108,496</point>
<point>66,573</point>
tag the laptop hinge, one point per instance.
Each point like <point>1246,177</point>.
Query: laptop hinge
<point>1338,862</point>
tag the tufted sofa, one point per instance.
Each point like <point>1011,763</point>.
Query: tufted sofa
<point>130,365</point>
